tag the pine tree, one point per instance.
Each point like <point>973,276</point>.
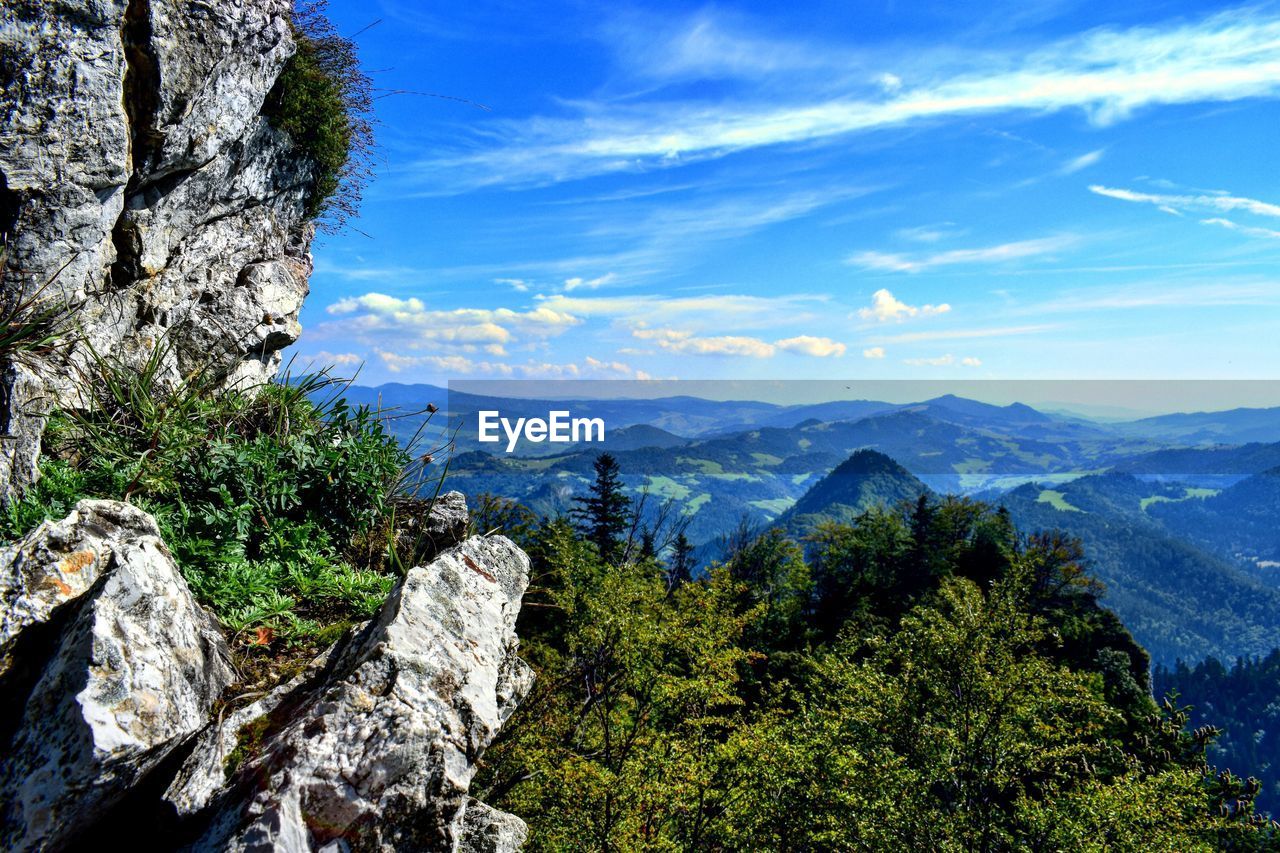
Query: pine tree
<point>604,516</point>
<point>680,571</point>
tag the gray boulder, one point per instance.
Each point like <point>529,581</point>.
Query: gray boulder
<point>487,830</point>
<point>377,751</point>
<point>132,674</point>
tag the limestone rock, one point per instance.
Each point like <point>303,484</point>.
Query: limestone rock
<point>378,753</point>
<point>131,676</point>
<point>487,830</point>
<point>59,561</point>
<point>424,527</point>
<point>142,189</point>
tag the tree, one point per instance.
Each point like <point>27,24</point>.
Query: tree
<point>604,516</point>
<point>680,570</point>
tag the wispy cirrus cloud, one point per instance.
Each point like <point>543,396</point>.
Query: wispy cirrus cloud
<point>1108,74</point>
<point>943,361</point>
<point>686,343</point>
<point>1079,164</point>
<point>1003,252</point>
<point>701,313</point>
<point>1251,230</point>
<point>460,365</point>
<point>1223,203</point>
<point>967,334</point>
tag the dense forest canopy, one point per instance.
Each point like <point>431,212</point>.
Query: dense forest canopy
<point>921,677</point>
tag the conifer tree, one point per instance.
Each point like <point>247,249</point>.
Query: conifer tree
<point>603,517</point>
<point>681,569</point>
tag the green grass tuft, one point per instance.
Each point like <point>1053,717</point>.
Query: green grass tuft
<point>278,509</point>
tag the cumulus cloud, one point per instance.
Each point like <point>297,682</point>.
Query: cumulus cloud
<point>893,262</point>
<point>378,318</point>
<point>338,359</point>
<point>885,307</point>
<point>810,345</point>
<point>873,352</point>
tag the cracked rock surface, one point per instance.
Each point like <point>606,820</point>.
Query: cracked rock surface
<point>126,678</point>
<point>143,190</point>
<point>378,750</point>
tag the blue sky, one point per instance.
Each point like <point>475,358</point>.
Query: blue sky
<point>815,190</point>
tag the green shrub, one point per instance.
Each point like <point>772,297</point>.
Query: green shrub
<point>266,499</point>
<point>324,102</point>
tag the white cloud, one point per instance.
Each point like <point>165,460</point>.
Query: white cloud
<point>892,262</point>
<point>1080,163</point>
<point>968,334</point>
<point>885,307</point>
<point>458,365</point>
<point>1106,73</point>
<point>943,361</point>
<point>517,284</point>
<point>809,345</point>
<point>687,343</point>
<point>338,359</point>
<point>873,352</point>
<point>379,319</point>
<point>1221,203</point>
<point>1252,231</point>
<point>695,312</point>
<point>1213,294</point>
<point>929,233</point>
<point>889,82</point>
<point>572,284</point>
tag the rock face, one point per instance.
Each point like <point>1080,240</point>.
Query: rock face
<point>142,189</point>
<point>131,675</point>
<point>376,752</point>
<point>59,561</point>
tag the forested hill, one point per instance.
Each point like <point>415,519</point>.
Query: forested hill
<point>1179,600</point>
<point>1243,700</point>
<point>865,480</point>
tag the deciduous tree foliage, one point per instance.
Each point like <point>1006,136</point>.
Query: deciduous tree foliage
<point>923,678</point>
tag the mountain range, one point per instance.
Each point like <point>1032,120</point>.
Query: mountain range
<point>1177,512</point>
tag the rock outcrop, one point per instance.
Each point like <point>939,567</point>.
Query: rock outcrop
<point>143,190</point>
<point>372,746</point>
<point>376,751</point>
<point>129,676</point>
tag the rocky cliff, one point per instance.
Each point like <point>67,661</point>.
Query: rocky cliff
<point>143,190</point>
<point>148,197</point>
